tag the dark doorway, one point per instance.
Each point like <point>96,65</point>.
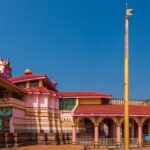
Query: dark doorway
<point>89,127</point>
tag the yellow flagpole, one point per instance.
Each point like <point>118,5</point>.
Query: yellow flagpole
<point>126,81</point>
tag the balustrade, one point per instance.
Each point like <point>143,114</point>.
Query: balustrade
<point>131,102</point>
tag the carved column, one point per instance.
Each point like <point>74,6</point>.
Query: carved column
<point>140,138</point>
<point>96,134</point>
<point>118,134</point>
<point>74,140</point>
<point>11,125</point>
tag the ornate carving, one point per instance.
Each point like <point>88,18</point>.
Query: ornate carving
<point>5,68</point>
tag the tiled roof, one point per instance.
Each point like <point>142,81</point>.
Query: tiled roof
<point>40,90</point>
<point>26,77</point>
<point>110,110</point>
<point>2,78</point>
<point>31,77</point>
<point>84,94</point>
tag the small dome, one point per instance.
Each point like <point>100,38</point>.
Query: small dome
<point>27,71</point>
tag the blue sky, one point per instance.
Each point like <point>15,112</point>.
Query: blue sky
<point>78,43</point>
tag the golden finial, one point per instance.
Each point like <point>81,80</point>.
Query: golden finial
<point>27,71</point>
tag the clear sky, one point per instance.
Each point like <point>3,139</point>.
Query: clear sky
<point>78,43</point>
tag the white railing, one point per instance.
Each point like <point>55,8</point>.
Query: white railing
<point>106,141</point>
<point>133,141</point>
<point>131,102</point>
<point>85,141</point>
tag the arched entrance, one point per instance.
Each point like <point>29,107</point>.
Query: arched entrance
<point>133,132</point>
<point>85,133</point>
<point>107,128</point>
<point>89,126</point>
<point>107,132</point>
<point>146,132</point>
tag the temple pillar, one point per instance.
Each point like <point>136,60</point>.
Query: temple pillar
<point>132,129</point>
<point>96,135</point>
<point>74,140</point>
<point>11,125</point>
<point>118,134</point>
<point>140,138</point>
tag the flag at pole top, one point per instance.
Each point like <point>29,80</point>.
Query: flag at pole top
<point>128,11</point>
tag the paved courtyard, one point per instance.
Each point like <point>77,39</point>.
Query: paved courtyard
<point>64,147</point>
<point>48,147</point>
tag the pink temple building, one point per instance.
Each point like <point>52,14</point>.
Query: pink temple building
<point>31,103</point>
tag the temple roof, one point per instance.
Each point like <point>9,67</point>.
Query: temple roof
<point>4,80</point>
<point>40,90</point>
<point>28,77</point>
<point>31,77</point>
<point>110,110</point>
<point>84,94</point>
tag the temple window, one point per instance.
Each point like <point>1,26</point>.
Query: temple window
<point>22,84</point>
<point>67,103</point>
<point>47,86</point>
<point>34,83</point>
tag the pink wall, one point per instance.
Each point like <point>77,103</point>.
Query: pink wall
<point>18,113</point>
<point>37,101</point>
<point>53,102</point>
<point>42,101</point>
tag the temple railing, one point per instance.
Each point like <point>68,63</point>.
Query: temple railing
<point>85,141</point>
<point>131,102</point>
<point>106,141</point>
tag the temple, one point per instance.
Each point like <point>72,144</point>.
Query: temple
<point>31,103</point>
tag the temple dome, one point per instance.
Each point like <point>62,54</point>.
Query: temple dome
<point>27,71</point>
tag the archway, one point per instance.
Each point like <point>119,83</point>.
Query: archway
<point>146,127</point>
<point>89,126</point>
<point>106,128</point>
<point>85,133</point>
<point>146,132</point>
<point>133,129</point>
<point>107,132</point>
<point>85,125</point>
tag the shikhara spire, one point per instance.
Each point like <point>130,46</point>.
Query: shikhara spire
<point>5,68</point>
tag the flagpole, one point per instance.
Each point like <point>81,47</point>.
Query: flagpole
<point>126,80</point>
<point>126,88</point>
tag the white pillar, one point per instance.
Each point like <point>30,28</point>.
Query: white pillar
<point>11,125</point>
<point>140,135</point>
<point>118,134</point>
<point>96,135</point>
<point>74,134</point>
